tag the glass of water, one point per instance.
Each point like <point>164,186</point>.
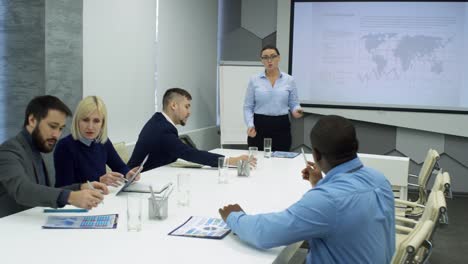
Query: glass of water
<point>223,170</point>
<point>183,189</point>
<point>253,154</point>
<point>134,202</point>
<point>267,147</point>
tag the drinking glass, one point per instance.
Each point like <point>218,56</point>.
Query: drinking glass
<point>223,170</point>
<point>183,189</point>
<point>134,202</point>
<point>267,147</point>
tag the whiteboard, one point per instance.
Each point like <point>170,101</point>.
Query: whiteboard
<point>233,81</point>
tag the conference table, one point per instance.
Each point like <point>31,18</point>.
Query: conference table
<point>274,185</point>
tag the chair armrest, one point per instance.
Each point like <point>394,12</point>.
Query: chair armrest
<point>407,203</point>
<point>403,229</point>
<point>405,220</point>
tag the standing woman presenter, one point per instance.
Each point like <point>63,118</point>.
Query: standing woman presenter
<point>270,96</point>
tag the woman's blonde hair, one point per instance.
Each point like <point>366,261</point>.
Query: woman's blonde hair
<point>86,107</point>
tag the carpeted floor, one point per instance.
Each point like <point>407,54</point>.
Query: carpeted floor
<point>451,242</point>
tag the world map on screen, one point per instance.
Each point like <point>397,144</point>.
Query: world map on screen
<point>392,55</point>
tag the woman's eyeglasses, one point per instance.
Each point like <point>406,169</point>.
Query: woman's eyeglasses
<point>269,58</point>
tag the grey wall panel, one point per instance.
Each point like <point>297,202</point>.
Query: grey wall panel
<point>241,45</point>
<point>64,50</point>
<point>309,121</point>
<point>282,29</point>
<point>458,173</point>
<point>395,153</point>
<point>259,17</point>
<point>231,15</point>
<point>416,143</point>
<point>21,60</point>
<point>381,142</point>
<point>271,40</point>
<point>63,56</point>
<point>375,139</point>
<point>457,148</point>
<point>246,26</point>
<point>297,133</point>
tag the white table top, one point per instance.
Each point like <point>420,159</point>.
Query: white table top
<point>273,186</point>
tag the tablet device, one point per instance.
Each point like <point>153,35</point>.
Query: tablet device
<point>132,179</point>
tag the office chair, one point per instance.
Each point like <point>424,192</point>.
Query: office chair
<point>442,183</point>
<point>415,247</point>
<point>429,166</point>
<point>121,149</point>
<point>434,210</point>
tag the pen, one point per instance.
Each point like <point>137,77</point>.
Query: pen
<point>152,193</point>
<point>305,159</point>
<point>168,192</point>
<point>92,188</point>
<point>77,210</point>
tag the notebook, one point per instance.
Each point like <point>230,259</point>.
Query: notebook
<point>202,227</point>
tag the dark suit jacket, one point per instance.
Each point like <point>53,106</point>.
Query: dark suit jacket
<point>19,188</point>
<point>159,139</point>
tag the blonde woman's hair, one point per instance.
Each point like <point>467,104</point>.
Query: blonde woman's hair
<point>86,107</point>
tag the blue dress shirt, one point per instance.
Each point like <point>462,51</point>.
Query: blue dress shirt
<point>347,218</point>
<point>262,98</point>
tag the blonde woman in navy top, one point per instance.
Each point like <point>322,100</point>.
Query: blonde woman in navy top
<point>270,96</point>
<point>83,155</point>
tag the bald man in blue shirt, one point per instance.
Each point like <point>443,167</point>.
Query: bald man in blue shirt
<point>347,217</point>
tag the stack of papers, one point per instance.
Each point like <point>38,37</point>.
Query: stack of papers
<point>202,227</point>
<point>82,222</point>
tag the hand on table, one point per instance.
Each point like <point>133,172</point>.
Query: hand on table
<point>234,160</point>
<point>226,210</point>
<point>85,198</point>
